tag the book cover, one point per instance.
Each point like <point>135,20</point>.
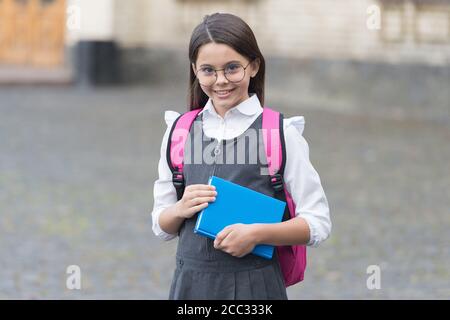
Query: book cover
<point>238,204</point>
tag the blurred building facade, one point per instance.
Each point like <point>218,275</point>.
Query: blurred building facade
<point>34,32</point>
<point>412,30</point>
<point>381,42</point>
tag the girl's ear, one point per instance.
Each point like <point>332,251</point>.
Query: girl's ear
<point>255,67</point>
<point>193,67</point>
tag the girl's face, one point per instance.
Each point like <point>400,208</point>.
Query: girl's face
<point>225,94</point>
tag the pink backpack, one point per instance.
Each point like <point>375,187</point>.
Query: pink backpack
<point>292,258</point>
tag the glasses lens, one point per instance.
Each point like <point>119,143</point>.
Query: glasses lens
<point>206,76</point>
<point>234,72</point>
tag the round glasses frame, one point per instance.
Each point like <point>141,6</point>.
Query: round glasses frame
<point>224,73</point>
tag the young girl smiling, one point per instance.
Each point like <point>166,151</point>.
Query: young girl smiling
<point>227,72</point>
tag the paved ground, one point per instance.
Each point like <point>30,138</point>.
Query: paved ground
<point>76,178</point>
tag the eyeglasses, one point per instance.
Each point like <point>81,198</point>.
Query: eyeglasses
<point>233,72</point>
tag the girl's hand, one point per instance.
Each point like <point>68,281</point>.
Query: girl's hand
<point>237,239</point>
<point>195,199</point>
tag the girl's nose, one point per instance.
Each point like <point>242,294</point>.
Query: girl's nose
<point>221,79</point>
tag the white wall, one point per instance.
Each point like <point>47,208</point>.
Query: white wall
<point>90,20</point>
<point>292,28</point>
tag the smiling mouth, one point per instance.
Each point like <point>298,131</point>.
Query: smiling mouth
<point>223,92</point>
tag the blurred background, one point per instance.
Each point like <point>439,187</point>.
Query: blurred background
<point>83,90</point>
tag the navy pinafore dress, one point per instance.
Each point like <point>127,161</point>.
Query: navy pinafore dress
<point>203,272</point>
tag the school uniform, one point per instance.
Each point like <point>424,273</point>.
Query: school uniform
<point>203,272</point>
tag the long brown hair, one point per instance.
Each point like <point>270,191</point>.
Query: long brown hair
<point>231,30</point>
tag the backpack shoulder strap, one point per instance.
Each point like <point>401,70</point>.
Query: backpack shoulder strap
<point>274,144</point>
<point>275,149</point>
<point>175,147</point>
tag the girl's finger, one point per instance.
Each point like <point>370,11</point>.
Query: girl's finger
<point>223,234</point>
<point>193,187</point>
<point>203,193</point>
<point>198,208</point>
<point>200,200</point>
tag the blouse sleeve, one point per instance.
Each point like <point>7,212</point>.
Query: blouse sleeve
<point>303,183</point>
<point>164,192</point>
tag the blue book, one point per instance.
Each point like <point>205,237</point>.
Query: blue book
<point>237,204</point>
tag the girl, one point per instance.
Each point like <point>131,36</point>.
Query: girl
<point>227,82</point>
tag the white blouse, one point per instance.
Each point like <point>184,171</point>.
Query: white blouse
<point>301,179</point>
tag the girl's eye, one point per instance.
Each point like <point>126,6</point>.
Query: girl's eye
<point>232,68</point>
<point>207,71</point>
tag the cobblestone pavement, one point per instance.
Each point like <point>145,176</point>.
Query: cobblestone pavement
<point>76,179</point>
